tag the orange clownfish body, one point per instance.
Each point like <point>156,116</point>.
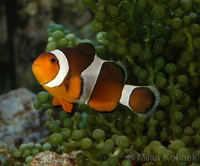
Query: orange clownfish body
<point>77,75</point>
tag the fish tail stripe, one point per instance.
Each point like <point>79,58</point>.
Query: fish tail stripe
<point>155,102</point>
<point>125,96</point>
<point>145,99</point>
<point>64,69</point>
<point>157,99</point>
<point>90,76</point>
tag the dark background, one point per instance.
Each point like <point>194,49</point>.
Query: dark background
<point>23,25</point>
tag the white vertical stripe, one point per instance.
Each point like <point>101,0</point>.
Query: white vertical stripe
<point>125,96</point>
<point>90,76</point>
<point>64,69</point>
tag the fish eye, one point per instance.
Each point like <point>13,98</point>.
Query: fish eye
<point>53,60</point>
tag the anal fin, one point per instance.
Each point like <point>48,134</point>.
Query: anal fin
<point>56,101</point>
<point>102,107</point>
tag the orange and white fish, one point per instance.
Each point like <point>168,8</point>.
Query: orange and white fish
<point>77,75</point>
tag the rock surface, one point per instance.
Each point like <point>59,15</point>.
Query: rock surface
<point>18,118</point>
<point>52,159</point>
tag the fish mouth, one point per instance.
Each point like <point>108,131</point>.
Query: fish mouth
<point>36,64</point>
<point>36,69</point>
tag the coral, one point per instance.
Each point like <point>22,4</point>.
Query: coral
<point>18,118</point>
<point>158,42</point>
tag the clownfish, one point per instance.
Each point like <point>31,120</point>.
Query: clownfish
<point>78,75</point>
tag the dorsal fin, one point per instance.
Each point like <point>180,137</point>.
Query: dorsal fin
<point>79,57</point>
<point>86,48</point>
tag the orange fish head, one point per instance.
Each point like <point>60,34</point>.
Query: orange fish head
<point>45,67</point>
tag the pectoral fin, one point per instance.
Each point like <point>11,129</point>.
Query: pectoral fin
<point>66,106</point>
<point>75,87</point>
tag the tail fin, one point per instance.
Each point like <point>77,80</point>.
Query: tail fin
<point>143,100</point>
